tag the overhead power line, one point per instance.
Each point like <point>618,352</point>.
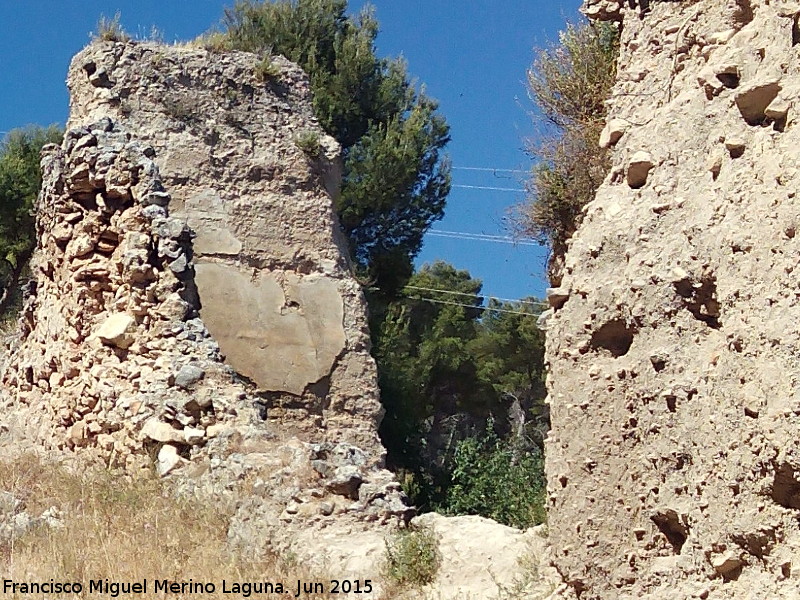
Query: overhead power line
<point>502,310</point>
<point>479,237</point>
<point>487,187</point>
<point>427,289</point>
<point>490,169</point>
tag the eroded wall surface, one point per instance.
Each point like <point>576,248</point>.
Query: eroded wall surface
<point>272,276</point>
<point>191,309</point>
<point>674,459</point>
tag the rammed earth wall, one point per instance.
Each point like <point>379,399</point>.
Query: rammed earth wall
<point>673,345</point>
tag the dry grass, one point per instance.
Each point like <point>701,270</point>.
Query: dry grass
<point>110,30</point>
<point>127,531</point>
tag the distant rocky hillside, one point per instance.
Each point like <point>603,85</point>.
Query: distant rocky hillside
<point>674,459</point>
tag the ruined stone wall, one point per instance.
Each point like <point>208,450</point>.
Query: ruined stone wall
<point>191,307</point>
<point>252,174</point>
<point>674,459</point>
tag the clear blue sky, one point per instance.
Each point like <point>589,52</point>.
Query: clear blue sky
<point>471,55</point>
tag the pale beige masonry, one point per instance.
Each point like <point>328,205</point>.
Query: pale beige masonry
<point>225,348</point>
<point>674,360</point>
<point>273,278</point>
<point>283,339</point>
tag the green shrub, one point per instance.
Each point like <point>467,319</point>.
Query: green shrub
<point>570,82</point>
<point>266,70</point>
<point>20,182</point>
<point>180,109</point>
<point>213,41</point>
<point>497,479</point>
<point>309,142</point>
<point>412,556</point>
<point>566,178</point>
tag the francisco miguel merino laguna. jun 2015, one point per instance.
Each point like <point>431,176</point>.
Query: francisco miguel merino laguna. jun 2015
<point>244,589</point>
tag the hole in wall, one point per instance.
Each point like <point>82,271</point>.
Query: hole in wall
<point>736,151</point>
<point>659,362</point>
<point>743,13</point>
<point>729,79</point>
<point>700,299</point>
<point>669,523</point>
<point>795,30</point>
<point>757,543</point>
<point>616,336</point>
<point>786,486</point>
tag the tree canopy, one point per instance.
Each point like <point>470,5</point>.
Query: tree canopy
<point>20,181</point>
<point>448,365</point>
<point>396,178</point>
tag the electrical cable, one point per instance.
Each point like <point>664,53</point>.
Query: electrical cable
<point>427,289</point>
<point>493,170</point>
<point>489,308</point>
<point>486,187</point>
<point>479,237</point>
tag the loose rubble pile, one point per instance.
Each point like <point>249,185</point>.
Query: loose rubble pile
<point>674,460</point>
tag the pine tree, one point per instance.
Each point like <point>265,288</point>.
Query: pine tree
<point>395,176</point>
<point>20,181</point>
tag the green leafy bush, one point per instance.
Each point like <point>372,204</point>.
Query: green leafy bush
<point>498,479</point>
<point>412,556</point>
<point>446,364</point>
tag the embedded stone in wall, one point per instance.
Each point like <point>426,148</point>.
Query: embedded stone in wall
<point>282,337</point>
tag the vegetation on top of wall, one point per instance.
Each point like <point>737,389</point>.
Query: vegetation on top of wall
<point>569,84</point>
<point>111,30</point>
